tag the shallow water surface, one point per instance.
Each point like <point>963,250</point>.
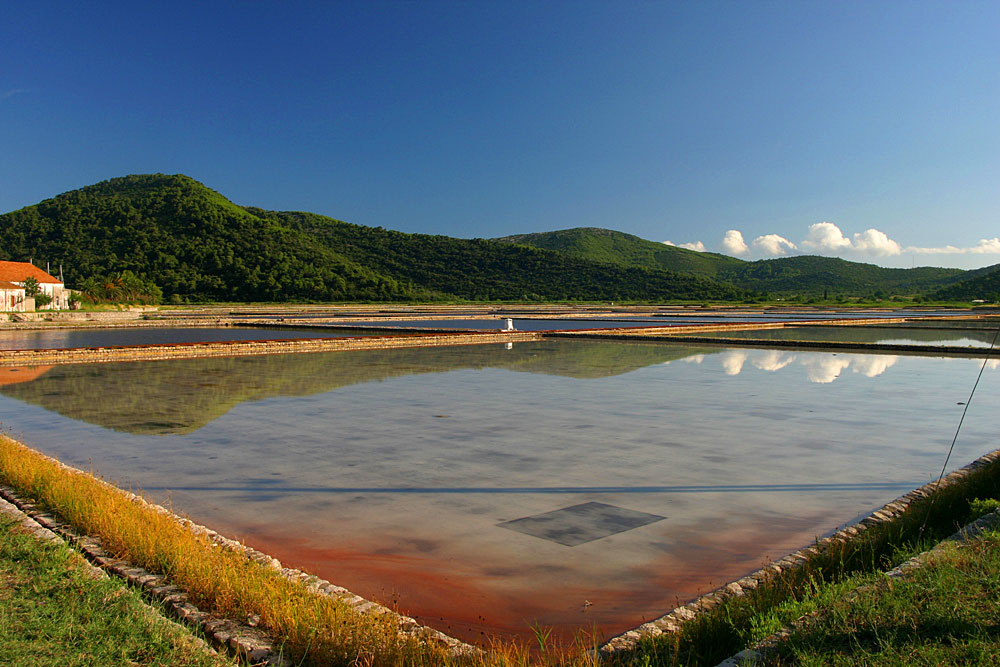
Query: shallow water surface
<point>45,339</point>
<point>486,489</point>
<point>520,324</point>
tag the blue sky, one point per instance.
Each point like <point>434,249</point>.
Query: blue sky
<point>868,130</point>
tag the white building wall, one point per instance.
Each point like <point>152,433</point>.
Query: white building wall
<point>12,300</point>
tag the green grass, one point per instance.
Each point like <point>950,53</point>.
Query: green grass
<point>54,612</point>
<point>944,613</point>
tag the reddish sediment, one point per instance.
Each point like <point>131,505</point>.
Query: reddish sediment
<point>464,601</point>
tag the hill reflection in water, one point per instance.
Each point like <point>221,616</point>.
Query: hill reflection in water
<point>181,396</point>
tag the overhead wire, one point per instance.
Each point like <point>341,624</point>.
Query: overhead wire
<point>958,430</point>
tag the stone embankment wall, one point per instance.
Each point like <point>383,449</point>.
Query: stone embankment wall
<point>637,332</point>
<point>254,347</point>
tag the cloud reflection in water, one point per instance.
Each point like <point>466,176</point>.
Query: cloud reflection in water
<point>822,369</point>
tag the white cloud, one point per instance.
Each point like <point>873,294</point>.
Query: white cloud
<point>825,370</point>
<point>732,361</point>
<point>873,365</point>
<point>773,360</point>
<point>734,244</point>
<point>696,359</point>
<point>874,242</point>
<point>820,368</point>
<point>826,237</point>
<point>697,245</point>
<point>984,247</point>
<point>772,244</point>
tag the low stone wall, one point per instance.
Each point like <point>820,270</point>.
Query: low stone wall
<point>665,330</point>
<point>86,355</point>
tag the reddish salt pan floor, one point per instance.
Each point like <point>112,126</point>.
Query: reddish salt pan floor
<point>485,490</point>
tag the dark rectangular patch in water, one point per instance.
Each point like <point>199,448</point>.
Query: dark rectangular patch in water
<point>582,523</point>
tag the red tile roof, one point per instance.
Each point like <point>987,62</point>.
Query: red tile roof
<point>16,272</point>
<point>8,285</point>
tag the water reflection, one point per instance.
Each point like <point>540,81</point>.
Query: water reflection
<point>930,336</point>
<point>181,396</point>
<point>398,473</point>
<point>821,368</point>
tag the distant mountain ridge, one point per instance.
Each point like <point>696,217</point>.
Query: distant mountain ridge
<point>196,244</point>
<point>808,275</point>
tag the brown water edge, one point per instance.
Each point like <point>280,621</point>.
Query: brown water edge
<point>464,600</point>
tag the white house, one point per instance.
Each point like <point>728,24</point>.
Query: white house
<point>11,297</point>
<point>16,273</point>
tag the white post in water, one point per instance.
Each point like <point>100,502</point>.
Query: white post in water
<point>510,325</point>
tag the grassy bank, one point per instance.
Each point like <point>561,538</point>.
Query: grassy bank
<point>319,630</point>
<point>944,613</point>
<point>742,621</point>
<point>54,612</point>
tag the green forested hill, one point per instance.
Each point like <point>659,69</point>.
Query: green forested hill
<point>191,241</point>
<point>482,269</point>
<point>194,243</point>
<point>983,284</point>
<point>606,245</point>
<point>814,275</point>
<point>806,275</point>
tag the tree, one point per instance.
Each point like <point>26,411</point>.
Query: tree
<point>31,287</point>
<point>121,287</point>
<point>34,291</point>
